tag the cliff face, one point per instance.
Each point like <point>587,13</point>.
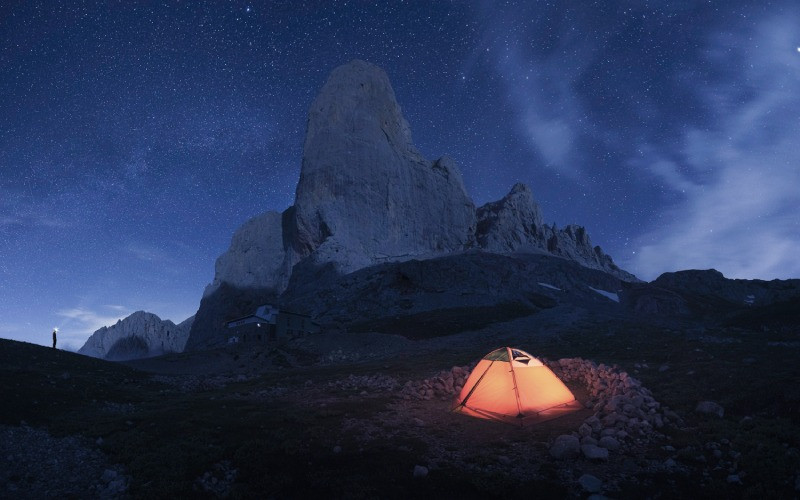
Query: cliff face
<point>365,192</point>
<point>514,224</point>
<point>255,256</point>
<point>140,335</point>
<point>366,196</point>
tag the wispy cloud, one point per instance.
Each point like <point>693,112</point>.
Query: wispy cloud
<point>147,253</point>
<point>539,85</point>
<point>547,120</point>
<point>81,320</point>
<point>29,218</point>
<point>741,210</point>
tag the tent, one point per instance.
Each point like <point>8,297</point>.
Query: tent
<point>512,386</point>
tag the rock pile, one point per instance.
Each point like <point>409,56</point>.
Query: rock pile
<point>377,382</point>
<point>625,412</point>
<point>443,385</point>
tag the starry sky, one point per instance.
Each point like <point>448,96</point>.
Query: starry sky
<point>135,137</point>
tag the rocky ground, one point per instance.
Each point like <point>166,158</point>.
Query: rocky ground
<point>34,464</point>
<point>666,414</point>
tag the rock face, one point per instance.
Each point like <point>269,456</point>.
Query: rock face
<point>255,256</point>
<point>511,223</point>
<point>366,196</point>
<point>514,224</point>
<point>140,335</point>
<point>447,294</point>
<point>365,193</point>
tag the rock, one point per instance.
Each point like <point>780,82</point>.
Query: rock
<point>366,196</point>
<point>710,408</point>
<point>337,449</point>
<point>608,443</point>
<point>255,256</point>
<point>565,447</point>
<point>590,483</point>
<point>365,192</point>
<point>588,440</point>
<point>510,223</point>
<point>573,243</point>
<point>504,460</point>
<point>670,463</point>
<point>420,471</point>
<point>608,432</point>
<point>140,335</point>
<point>593,452</point>
<point>733,479</point>
<point>418,422</point>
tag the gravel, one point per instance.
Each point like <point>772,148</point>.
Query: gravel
<point>34,464</point>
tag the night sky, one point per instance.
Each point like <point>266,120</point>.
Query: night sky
<point>135,137</point>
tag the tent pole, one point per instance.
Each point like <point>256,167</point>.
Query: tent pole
<point>516,389</point>
<point>477,383</point>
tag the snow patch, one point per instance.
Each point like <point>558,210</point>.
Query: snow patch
<point>547,285</point>
<point>608,295</point>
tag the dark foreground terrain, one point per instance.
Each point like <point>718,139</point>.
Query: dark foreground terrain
<point>296,422</point>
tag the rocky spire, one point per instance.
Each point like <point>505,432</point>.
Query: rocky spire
<point>365,192</point>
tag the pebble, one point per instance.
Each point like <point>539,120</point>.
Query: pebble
<point>43,466</point>
<point>593,452</point>
<point>565,447</point>
<point>590,483</point>
<point>710,408</point>
<point>609,443</point>
<point>420,471</point>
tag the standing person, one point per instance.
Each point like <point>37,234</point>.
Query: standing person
<point>55,330</point>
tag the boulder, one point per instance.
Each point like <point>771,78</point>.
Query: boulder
<point>590,483</point>
<point>710,408</point>
<point>565,447</point>
<point>608,443</point>
<point>593,452</point>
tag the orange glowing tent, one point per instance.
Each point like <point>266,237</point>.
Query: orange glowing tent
<point>512,386</point>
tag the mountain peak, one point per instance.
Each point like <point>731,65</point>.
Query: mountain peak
<point>142,334</point>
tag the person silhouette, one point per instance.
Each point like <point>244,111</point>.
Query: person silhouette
<point>55,330</point>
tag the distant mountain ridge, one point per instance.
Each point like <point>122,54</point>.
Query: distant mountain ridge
<point>140,335</point>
